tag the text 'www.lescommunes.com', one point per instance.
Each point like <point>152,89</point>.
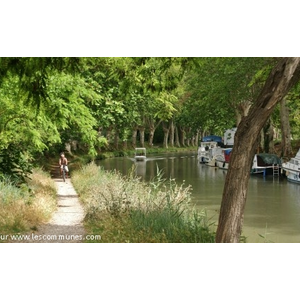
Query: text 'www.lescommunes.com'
<point>49,237</point>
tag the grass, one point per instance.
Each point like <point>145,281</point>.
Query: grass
<point>125,209</point>
<point>23,208</point>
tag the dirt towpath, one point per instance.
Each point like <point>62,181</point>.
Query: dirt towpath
<point>66,222</point>
<point>65,225</point>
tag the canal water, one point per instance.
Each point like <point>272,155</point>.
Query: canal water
<point>272,212</point>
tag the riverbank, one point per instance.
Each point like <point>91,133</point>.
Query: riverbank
<point>125,209</point>
<point>151,150</point>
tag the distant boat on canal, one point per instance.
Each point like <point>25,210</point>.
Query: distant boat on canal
<point>207,151</point>
<point>140,154</point>
<point>212,148</point>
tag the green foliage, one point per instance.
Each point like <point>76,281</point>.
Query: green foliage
<point>219,90</point>
<point>294,107</point>
<point>47,102</point>
<point>14,164</point>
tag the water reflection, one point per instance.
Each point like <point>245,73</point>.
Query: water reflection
<point>140,168</point>
<point>272,208</point>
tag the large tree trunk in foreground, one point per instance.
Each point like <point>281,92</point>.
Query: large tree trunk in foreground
<point>280,80</point>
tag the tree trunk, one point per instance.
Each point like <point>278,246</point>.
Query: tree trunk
<point>133,137</point>
<point>271,139</point>
<point>177,143</point>
<point>166,134</point>
<point>188,140</point>
<point>142,136</point>
<point>280,80</point>
<point>267,137</point>
<point>286,147</point>
<point>196,142</point>
<point>152,128</point>
<point>172,133</point>
<point>109,135</point>
<point>151,136</point>
<point>116,139</point>
<point>182,136</point>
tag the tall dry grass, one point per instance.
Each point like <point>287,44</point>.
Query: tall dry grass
<point>126,209</point>
<point>23,208</point>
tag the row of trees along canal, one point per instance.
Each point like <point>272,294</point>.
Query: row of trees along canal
<point>107,102</point>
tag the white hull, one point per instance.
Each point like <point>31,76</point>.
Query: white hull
<point>207,153</point>
<point>293,177</point>
<point>292,169</point>
<point>140,158</point>
<point>222,164</point>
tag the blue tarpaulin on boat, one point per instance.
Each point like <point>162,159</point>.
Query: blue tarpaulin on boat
<point>212,138</point>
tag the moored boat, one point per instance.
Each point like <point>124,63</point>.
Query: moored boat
<point>266,164</point>
<point>211,149</point>
<point>292,168</point>
<point>263,163</point>
<point>140,154</point>
<point>206,151</point>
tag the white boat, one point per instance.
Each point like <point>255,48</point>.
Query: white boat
<point>211,148</point>
<point>292,168</point>
<point>263,163</point>
<point>140,154</point>
<point>206,151</point>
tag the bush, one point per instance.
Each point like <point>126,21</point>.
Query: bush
<point>14,164</point>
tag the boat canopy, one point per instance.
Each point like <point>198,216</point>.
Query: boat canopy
<point>266,159</point>
<point>212,138</point>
